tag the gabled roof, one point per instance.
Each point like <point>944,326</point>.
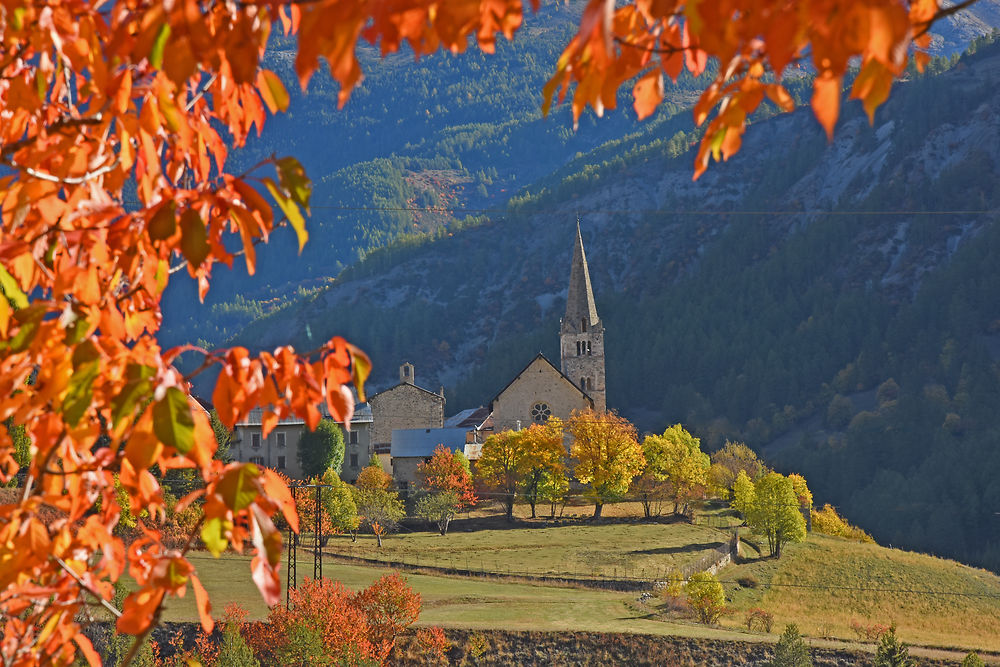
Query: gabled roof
<point>406,384</point>
<point>423,441</point>
<point>471,418</point>
<point>362,414</point>
<point>558,372</point>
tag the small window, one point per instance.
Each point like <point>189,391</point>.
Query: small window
<point>540,413</point>
<point>583,325</point>
<point>403,486</point>
<point>281,463</point>
<point>354,461</point>
<point>590,384</point>
<point>588,347</point>
<point>257,460</point>
<point>281,440</point>
<point>255,441</point>
<point>353,438</point>
<point>583,383</point>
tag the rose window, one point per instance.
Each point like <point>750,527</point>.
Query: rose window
<point>540,412</point>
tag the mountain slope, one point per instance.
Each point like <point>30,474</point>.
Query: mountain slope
<point>743,304</point>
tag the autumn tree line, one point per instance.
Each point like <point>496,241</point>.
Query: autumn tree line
<point>597,456</point>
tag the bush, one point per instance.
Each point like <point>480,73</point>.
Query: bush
<point>234,651</point>
<point>706,597</point>
<point>973,660</point>
<point>791,650</point>
<point>760,619</point>
<point>433,646</point>
<point>353,628</point>
<point>868,631</point>
<point>478,645</point>
<point>671,593</point>
<point>828,522</point>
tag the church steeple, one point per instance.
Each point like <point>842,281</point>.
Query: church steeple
<point>581,332</point>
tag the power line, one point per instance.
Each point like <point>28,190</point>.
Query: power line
<point>706,212</point>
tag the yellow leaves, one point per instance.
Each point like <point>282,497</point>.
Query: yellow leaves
<point>272,91</point>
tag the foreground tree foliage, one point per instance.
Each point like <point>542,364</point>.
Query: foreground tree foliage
<point>94,96</point>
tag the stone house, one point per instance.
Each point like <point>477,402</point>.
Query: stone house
<point>279,450</point>
<point>413,446</point>
<point>403,406</point>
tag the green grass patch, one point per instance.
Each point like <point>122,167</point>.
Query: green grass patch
<point>638,551</point>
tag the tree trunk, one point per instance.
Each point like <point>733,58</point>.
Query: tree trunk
<point>354,536</point>
<point>597,510</point>
<point>443,525</point>
<point>378,538</point>
<point>532,509</point>
<point>510,507</point>
<point>553,509</point>
<point>646,508</point>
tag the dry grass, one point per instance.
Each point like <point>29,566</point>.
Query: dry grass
<point>826,582</point>
<point>583,550</point>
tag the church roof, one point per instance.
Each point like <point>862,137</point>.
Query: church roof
<point>559,372</point>
<point>580,304</point>
<point>406,384</point>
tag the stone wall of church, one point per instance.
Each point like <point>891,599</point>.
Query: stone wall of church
<point>404,406</point>
<point>540,383</point>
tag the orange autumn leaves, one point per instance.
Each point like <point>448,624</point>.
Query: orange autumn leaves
<point>117,121</point>
<point>754,42</point>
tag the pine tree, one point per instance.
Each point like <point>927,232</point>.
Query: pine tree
<point>791,650</point>
<point>892,653</point>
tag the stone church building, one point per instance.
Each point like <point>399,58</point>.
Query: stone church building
<point>541,390</point>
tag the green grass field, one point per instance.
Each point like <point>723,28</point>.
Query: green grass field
<point>821,585</point>
<point>578,551</point>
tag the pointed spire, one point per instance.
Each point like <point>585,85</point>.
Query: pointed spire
<point>581,311</point>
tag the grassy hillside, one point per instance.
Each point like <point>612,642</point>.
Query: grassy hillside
<point>826,582</point>
<point>822,585</point>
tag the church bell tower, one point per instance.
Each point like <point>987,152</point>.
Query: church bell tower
<point>581,334</point>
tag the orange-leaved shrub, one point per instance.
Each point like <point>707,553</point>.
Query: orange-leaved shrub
<point>433,646</point>
<point>352,628</point>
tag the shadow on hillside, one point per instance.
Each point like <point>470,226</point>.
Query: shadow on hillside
<point>687,548</point>
<point>500,522</point>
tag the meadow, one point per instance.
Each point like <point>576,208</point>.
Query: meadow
<point>822,585</point>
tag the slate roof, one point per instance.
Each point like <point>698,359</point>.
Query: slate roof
<point>471,418</point>
<point>422,441</point>
<point>362,415</point>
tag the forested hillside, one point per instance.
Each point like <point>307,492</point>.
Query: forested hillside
<point>454,133</point>
<point>837,304</point>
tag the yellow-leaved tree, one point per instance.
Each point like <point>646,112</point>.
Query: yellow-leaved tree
<point>608,455</point>
<point>676,459</point>
<point>523,462</point>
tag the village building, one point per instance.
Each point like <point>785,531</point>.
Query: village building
<point>412,446</point>
<point>279,450</point>
<point>403,406</point>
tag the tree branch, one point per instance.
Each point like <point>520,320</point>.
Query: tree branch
<point>80,582</point>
